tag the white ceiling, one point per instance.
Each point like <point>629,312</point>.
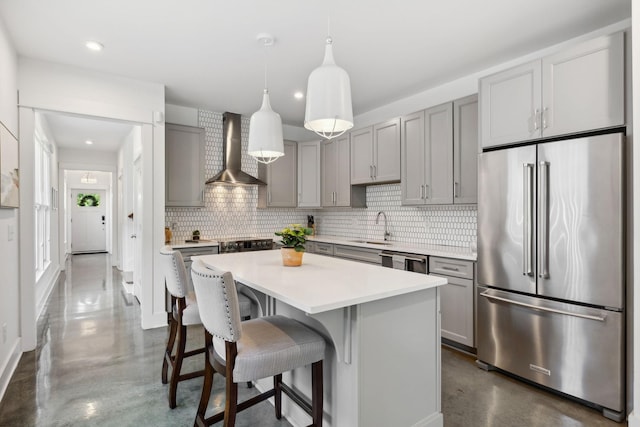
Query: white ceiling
<point>73,132</point>
<point>207,55</point>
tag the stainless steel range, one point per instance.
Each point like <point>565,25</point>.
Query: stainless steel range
<point>245,245</point>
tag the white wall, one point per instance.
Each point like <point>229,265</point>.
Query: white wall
<point>131,143</point>
<point>10,348</point>
<point>60,88</point>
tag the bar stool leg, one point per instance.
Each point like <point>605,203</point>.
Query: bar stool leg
<point>173,328</point>
<point>316,393</point>
<point>277,397</point>
<point>177,365</point>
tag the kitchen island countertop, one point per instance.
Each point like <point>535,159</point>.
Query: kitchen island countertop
<point>321,283</point>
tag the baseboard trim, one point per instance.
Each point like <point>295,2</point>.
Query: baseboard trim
<point>40,306</point>
<point>633,420</point>
<point>10,367</point>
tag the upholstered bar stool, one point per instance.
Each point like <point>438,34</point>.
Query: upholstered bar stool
<point>184,312</point>
<point>251,350</point>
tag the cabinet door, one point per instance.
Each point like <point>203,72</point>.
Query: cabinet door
<point>184,166</point>
<point>465,150</point>
<point>329,173</point>
<point>362,156</point>
<point>281,179</point>
<point>309,174</point>
<point>510,103</point>
<point>438,137</point>
<point>413,158</point>
<point>386,151</point>
<point>456,308</point>
<point>343,173</point>
<point>583,87</point>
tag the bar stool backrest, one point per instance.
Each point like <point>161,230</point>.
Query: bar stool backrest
<point>175,273</point>
<point>218,301</point>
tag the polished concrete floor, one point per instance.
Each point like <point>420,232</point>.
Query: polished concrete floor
<point>95,366</point>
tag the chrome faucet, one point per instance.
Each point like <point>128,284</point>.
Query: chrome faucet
<point>386,231</point>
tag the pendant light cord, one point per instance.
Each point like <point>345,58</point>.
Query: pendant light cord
<point>265,66</point>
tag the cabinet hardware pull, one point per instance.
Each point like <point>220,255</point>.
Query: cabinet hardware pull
<point>427,191</point>
<point>544,117</point>
<point>543,220</point>
<point>537,307</point>
<point>371,171</point>
<point>527,252</point>
<point>375,171</point>
<point>455,190</point>
<point>536,115</point>
<point>444,267</point>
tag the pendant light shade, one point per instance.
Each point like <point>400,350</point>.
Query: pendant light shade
<point>265,133</point>
<point>328,112</point>
<point>265,128</point>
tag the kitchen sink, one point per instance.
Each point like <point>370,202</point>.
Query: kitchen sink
<point>372,242</point>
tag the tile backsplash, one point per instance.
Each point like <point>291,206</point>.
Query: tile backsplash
<point>232,211</point>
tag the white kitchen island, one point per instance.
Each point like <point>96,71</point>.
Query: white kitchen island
<point>382,326</point>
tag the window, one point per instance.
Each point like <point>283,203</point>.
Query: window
<point>42,205</point>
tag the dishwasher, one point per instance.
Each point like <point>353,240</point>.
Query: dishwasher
<point>404,261</point>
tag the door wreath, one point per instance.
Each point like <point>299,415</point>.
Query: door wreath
<point>88,200</point>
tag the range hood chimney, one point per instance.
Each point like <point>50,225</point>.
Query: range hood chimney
<point>231,155</point>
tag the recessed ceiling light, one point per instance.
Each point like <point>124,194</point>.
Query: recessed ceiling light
<point>88,142</point>
<point>298,95</point>
<point>94,45</point>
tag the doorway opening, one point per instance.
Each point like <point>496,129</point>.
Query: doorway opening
<point>88,212</point>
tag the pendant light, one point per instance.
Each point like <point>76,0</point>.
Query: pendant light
<point>265,128</point>
<point>328,112</point>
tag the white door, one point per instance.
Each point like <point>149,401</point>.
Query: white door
<point>88,221</point>
<point>137,229</point>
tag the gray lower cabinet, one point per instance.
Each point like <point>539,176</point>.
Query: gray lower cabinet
<point>323,248</point>
<point>184,166</point>
<point>281,178</point>
<point>336,179</point>
<point>355,253</point>
<point>456,299</point>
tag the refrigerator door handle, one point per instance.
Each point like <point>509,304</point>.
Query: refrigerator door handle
<point>543,220</point>
<point>527,251</point>
<point>548,309</point>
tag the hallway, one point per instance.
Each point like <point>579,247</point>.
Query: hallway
<point>95,366</point>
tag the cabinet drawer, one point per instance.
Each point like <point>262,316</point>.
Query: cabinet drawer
<point>324,248</point>
<point>451,267</point>
<point>187,253</point>
<point>358,254</point>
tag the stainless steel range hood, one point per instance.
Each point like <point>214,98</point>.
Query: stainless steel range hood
<point>231,155</point>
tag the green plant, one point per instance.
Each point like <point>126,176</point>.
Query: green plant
<point>196,232</point>
<point>294,236</point>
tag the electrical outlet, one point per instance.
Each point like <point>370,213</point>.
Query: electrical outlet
<point>4,333</point>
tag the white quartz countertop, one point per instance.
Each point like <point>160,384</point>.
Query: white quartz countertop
<point>321,283</point>
<point>432,250</point>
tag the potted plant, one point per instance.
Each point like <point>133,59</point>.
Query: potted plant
<point>293,239</point>
<point>196,235</point>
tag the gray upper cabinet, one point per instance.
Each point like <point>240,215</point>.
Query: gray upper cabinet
<point>577,89</point>
<point>184,166</point>
<point>375,153</point>
<point>309,174</point>
<point>336,177</point>
<point>281,179</point>
<point>465,150</point>
<point>427,156</point>
<point>362,156</point>
<point>386,151</point>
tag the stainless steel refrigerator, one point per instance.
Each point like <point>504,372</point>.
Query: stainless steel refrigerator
<point>550,301</point>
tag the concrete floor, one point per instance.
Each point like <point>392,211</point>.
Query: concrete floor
<point>95,366</point>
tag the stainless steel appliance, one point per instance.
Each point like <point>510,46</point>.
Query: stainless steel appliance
<point>551,266</point>
<point>404,261</point>
<point>245,244</point>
